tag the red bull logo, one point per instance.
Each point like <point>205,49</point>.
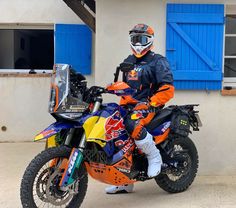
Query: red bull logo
<point>133,75</point>
<point>114,126</point>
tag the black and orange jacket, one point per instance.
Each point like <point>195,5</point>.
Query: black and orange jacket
<point>151,77</point>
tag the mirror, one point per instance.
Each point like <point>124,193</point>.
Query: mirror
<point>126,66</point>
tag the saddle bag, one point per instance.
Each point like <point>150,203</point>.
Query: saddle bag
<point>180,123</point>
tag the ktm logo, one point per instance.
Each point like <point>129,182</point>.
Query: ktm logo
<point>165,127</point>
<point>72,162</point>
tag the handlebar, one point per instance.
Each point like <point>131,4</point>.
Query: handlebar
<point>97,91</point>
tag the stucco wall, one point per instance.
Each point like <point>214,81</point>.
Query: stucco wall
<point>216,139</point>
<point>24,107</point>
<point>114,20</point>
<point>34,11</point>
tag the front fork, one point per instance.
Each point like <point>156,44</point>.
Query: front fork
<point>76,156</point>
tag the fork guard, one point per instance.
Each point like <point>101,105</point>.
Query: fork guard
<point>69,175</point>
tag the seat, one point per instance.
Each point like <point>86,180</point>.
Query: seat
<point>160,118</point>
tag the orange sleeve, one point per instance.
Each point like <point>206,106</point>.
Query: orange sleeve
<point>163,95</point>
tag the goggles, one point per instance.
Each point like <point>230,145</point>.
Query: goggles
<point>140,39</point>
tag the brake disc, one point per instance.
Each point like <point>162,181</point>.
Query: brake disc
<point>179,153</point>
<point>41,184</point>
<point>54,194</point>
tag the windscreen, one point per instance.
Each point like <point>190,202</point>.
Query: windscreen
<point>67,91</point>
<point>59,87</point>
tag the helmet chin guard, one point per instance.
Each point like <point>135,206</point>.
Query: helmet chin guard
<point>141,39</point>
<point>140,51</point>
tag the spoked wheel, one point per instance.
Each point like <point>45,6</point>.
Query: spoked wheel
<point>183,171</point>
<point>40,183</point>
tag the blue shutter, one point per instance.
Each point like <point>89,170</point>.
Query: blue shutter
<point>73,45</point>
<point>194,45</point>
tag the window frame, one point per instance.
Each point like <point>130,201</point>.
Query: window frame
<point>23,26</point>
<point>228,81</point>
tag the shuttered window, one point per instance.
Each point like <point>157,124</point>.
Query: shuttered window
<point>73,45</point>
<point>194,45</point>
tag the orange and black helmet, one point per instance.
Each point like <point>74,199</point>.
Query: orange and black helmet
<point>141,39</point>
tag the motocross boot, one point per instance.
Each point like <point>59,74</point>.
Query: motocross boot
<point>147,146</point>
<point>120,189</point>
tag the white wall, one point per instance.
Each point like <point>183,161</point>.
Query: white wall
<point>35,11</point>
<point>24,105</point>
<point>203,1</point>
<point>6,49</point>
<point>114,20</point>
<point>216,140</point>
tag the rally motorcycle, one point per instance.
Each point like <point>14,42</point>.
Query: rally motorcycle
<point>89,137</point>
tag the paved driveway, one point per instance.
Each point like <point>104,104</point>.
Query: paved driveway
<point>206,192</point>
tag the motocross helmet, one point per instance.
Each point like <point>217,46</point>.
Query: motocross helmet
<point>141,39</point>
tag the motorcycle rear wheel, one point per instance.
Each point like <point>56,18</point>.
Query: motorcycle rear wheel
<point>36,179</point>
<point>174,183</point>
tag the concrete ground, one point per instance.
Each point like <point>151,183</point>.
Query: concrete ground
<point>206,191</point>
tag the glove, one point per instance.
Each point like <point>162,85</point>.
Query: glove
<point>142,110</point>
<point>142,106</point>
<point>147,106</point>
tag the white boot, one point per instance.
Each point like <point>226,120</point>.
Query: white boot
<point>119,189</point>
<point>147,146</point>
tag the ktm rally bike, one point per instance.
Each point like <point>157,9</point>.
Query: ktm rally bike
<point>89,137</point>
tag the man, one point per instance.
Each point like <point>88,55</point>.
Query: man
<point>153,81</point>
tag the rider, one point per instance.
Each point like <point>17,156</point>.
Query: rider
<point>153,80</point>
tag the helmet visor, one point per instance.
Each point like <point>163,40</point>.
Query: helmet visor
<point>140,39</point>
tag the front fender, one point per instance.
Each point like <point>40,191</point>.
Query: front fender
<point>54,129</point>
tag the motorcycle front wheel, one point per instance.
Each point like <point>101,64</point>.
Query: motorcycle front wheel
<point>176,180</point>
<point>40,182</point>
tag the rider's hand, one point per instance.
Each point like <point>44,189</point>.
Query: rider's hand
<point>147,106</point>
<point>142,106</point>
